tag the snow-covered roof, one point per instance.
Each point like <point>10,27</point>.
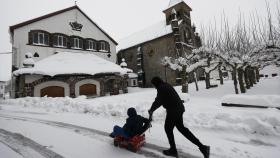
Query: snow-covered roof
<point>72,63</point>
<point>153,32</point>
<point>127,70</point>
<point>173,2</point>
<point>132,75</point>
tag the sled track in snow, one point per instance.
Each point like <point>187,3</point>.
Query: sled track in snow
<point>148,150</point>
<point>24,146</point>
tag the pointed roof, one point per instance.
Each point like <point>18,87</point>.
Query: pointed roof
<point>12,28</point>
<point>173,3</point>
<point>150,33</point>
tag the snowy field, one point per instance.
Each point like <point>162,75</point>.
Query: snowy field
<point>72,128</point>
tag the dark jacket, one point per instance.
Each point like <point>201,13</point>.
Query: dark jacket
<point>135,124</point>
<point>168,98</point>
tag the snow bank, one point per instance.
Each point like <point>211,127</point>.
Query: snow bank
<point>203,108</point>
<point>253,100</point>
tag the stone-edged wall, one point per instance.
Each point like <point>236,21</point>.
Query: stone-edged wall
<point>118,84</point>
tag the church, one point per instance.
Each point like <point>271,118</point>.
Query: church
<point>64,53</point>
<point>144,50</point>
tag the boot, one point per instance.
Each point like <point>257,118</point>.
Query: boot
<point>112,135</point>
<point>170,152</point>
<point>205,150</point>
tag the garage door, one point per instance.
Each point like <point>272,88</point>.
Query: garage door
<point>88,89</point>
<point>53,91</point>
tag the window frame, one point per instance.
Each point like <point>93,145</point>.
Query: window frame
<point>91,45</point>
<point>40,37</point>
<point>76,42</point>
<point>61,40</point>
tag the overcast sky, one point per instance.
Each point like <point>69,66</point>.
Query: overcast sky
<point>119,18</point>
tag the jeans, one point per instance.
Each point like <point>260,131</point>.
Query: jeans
<point>119,131</point>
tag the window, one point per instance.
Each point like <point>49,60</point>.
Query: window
<point>40,38</point>
<point>76,43</point>
<point>104,46</point>
<point>59,41</point>
<point>134,83</point>
<point>91,45</point>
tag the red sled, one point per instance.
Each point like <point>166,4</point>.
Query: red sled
<point>132,144</point>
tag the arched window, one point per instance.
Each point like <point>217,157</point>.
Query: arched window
<point>76,42</point>
<point>39,37</point>
<point>104,46</point>
<point>90,44</point>
<point>60,40</point>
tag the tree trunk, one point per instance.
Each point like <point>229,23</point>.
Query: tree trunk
<point>184,80</point>
<point>250,75</point>
<point>254,75</point>
<point>235,79</point>
<point>221,76</point>
<point>240,80</point>
<point>207,80</point>
<point>246,77</point>
<point>195,80</point>
<point>257,74</point>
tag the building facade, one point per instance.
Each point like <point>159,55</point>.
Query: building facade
<point>70,30</point>
<point>144,51</point>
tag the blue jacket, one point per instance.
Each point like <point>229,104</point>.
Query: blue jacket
<point>135,124</point>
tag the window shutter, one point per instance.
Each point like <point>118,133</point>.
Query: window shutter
<point>30,37</point>
<point>81,43</point>
<point>46,38</point>
<point>35,37</point>
<point>95,45</point>
<point>108,46</point>
<point>98,45</point>
<point>86,46</point>
<point>64,41</point>
<point>71,42</point>
<point>55,41</point>
<point>51,39</point>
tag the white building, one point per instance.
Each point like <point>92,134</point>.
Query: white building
<point>68,30</point>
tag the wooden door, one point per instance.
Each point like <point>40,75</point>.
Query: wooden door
<point>53,91</point>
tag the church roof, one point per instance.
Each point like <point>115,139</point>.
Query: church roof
<point>12,28</point>
<point>150,33</point>
<point>68,63</point>
<point>173,2</point>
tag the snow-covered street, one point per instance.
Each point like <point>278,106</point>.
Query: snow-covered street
<point>71,128</point>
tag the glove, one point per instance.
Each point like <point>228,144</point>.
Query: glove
<point>150,112</point>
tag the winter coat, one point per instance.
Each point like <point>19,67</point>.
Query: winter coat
<point>168,98</point>
<point>134,123</point>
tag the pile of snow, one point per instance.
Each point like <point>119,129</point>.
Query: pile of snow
<point>253,100</point>
<point>72,63</point>
<point>203,108</point>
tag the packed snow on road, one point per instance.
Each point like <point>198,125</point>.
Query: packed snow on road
<point>79,127</point>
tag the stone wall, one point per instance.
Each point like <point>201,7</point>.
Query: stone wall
<point>118,85</point>
<point>153,52</point>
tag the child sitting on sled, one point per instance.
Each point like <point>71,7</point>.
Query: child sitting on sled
<point>135,124</point>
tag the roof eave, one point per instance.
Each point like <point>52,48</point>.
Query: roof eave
<point>12,28</point>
